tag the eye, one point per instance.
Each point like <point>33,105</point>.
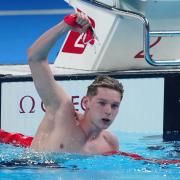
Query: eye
<point>115,106</point>
<point>102,103</point>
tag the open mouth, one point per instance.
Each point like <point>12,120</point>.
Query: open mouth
<point>106,120</point>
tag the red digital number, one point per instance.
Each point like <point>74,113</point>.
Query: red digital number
<point>141,53</point>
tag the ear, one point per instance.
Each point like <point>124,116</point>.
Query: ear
<point>85,103</point>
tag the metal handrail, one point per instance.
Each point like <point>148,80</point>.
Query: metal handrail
<point>146,32</point>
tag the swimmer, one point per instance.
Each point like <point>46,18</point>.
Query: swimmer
<point>62,128</point>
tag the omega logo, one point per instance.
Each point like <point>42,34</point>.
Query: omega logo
<point>32,104</point>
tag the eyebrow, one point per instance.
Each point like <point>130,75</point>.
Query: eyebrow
<point>115,102</point>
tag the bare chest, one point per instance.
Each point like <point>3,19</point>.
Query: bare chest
<point>77,144</point>
<point>98,146</point>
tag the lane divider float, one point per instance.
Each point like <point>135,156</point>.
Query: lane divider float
<point>18,139</point>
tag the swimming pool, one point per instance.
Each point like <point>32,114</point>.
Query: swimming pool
<point>15,163</point>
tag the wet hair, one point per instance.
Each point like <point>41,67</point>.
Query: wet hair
<point>105,82</point>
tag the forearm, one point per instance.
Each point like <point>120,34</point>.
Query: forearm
<point>40,49</point>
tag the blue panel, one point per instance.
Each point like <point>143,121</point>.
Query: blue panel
<point>18,32</point>
<point>32,4</point>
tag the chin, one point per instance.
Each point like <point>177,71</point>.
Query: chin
<point>104,127</point>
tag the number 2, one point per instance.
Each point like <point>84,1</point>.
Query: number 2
<point>141,53</point>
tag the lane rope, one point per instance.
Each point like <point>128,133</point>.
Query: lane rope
<point>18,139</point>
<point>141,158</point>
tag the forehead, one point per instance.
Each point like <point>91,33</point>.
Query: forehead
<point>107,93</point>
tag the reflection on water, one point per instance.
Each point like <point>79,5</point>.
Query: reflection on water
<point>148,146</point>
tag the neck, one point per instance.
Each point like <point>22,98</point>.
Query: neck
<point>90,131</point>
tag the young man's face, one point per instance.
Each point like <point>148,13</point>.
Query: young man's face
<point>104,107</point>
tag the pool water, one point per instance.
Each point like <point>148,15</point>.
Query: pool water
<point>20,163</point>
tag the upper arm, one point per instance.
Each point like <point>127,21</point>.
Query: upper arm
<point>48,89</point>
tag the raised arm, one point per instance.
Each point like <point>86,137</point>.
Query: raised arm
<point>50,92</point>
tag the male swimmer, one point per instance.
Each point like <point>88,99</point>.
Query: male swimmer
<point>62,129</point>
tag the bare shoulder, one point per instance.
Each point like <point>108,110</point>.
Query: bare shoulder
<point>111,139</point>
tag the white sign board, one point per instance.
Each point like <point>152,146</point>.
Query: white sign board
<point>141,109</point>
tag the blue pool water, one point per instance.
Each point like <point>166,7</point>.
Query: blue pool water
<point>18,163</point>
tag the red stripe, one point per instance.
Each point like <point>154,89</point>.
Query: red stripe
<point>15,139</point>
<point>138,157</point>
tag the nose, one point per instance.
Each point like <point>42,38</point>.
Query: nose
<point>108,109</point>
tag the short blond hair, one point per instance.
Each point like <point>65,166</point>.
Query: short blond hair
<point>106,82</point>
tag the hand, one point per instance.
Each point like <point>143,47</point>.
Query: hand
<point>78,22</point>
<point>83,21</point>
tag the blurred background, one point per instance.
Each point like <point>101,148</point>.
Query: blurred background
<point>22,22</point>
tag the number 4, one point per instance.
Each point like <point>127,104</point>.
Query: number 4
<point>78,43</point>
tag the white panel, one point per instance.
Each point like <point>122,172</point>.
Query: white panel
<point>121,38</point>
<point>141,109</point>
<point>11,118</point>
<point>142,106</point>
